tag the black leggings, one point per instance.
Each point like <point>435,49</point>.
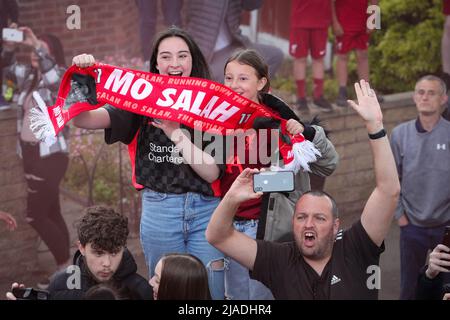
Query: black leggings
<point>43,177</point>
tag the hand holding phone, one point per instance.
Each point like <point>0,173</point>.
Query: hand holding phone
<point>13,35</point>
<point>273,181</point>
<point>446,238</point>
<point>446,288</point>
<point>29,294</point>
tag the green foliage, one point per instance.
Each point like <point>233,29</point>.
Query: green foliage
<point>105,192</point>
<point>408,44</point>
<point>94,170</point>
<point>87,153</point>
<point>286,84</point>
<point>330,88</point>
<point>76,177</point>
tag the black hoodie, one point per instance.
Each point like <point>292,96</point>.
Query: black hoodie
<point>129,284</point>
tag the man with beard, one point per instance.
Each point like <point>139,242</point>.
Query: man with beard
<point>102,259</point>
<point>322,262</point>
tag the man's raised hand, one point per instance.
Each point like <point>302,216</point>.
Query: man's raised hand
<point>368,107</point>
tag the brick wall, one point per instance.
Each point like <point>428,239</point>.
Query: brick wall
<point>18,253</point>
<point>107,27</point>
<point>353,181</point>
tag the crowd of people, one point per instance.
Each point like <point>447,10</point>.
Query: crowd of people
<point>205,232</point>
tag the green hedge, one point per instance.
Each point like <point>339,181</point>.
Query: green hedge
<point>408,44</point>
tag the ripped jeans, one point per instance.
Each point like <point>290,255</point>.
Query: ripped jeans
<point>176,223</point>
<point>43,176</point>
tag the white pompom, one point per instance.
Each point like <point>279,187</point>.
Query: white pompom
<point>40,123</point>
<point>304,153</point>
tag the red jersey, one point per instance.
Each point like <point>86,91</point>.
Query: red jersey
<point>250,209</point>
<point>352,14</point>
<point>446,7</point>
<point>258,153</point>
<point>310,14</point>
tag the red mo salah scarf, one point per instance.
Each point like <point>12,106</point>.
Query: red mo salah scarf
<point>197,103</point>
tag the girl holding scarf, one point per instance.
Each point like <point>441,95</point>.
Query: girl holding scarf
<point>179,196</point>
<point>247,74</point>
<point>44,167</point>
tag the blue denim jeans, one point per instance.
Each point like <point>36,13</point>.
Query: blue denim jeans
<point>176,223</point>
<point>238,284</point>
<point>414,245</point>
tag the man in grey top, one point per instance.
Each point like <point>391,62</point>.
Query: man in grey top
<point>421,149</point>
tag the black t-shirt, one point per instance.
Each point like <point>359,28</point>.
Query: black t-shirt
<point>158,163</point>
<point>281,267</point>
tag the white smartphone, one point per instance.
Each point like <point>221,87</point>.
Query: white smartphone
<point>274,181</point>
<point>10,34</point>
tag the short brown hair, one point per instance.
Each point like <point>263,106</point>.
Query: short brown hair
<point>104,229</point>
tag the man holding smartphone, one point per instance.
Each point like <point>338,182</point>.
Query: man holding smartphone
<point>431,284</point>
<point>9,16</point>
<point>322,262</point>
<point>102,258</point>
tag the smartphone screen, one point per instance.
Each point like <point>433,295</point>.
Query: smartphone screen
<point>274,181</point>
<point>22,293</point>
<point>9,34</point>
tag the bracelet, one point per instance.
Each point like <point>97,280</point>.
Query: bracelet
<point>378,135</point>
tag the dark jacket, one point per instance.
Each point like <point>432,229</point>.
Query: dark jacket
<point>9,10</point>
<point>129,284</point>
<point>430,289</point>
